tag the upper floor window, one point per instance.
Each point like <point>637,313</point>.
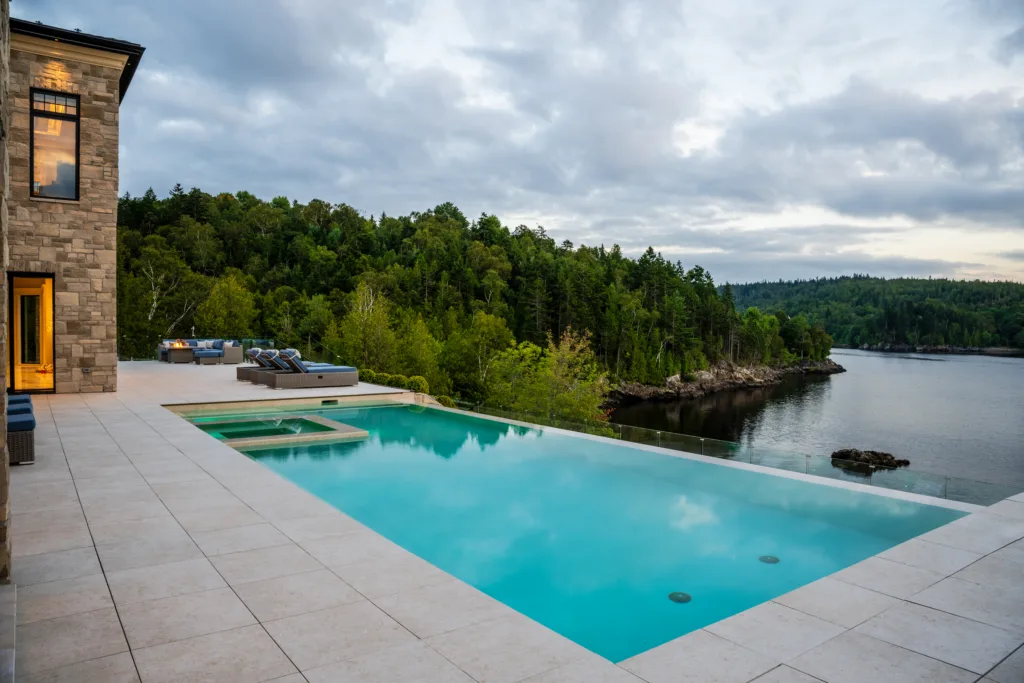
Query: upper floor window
<point>54,146</point>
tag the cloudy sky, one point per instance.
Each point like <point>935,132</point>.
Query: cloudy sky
<point>758,138</point>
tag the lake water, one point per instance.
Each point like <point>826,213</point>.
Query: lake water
<point>956,416</point>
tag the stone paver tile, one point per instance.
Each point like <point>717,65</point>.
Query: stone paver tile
<point>159,550</point>
<point>319,638</point>
<point>241,655</point>
<point>210,519</point>
<point>54,643</point>
<point>292,678</point>
<point>163,581</point>
<point>83,470</point>
<point>837,601</point>
<point>46,519</point>
<point>119,668</point>
<point>1010,670</point>
<point>50,495</point>
<point>505,650</point>
<point>239,539</point>
<point>1007,508</point>
<point>114,511</point>
<point>122,531</point>
<point>62,598</point>
<point>409,662</point>
<point>338,551</point>
<point>100,491</point>
<point>312,528</point>
<point>955,640</point>
<point>980,532</point>
<point>172,473</point>
<point>784,674</point>
<point>993,606</point>
<point>892,578</point>
<point>62,564</point>
<point>377,578</point>
<point>265,563</point>
<point>699,657</point>
<point>50,540</point>
<point>289,596</point>
<point>994,572</point>
<point>775,631</point>
<point>856,658</point>
<point>1012,553</point>
<point>942,559</point>
<point>431,610</point>
<point>591,669</point>
<point>154,622</point>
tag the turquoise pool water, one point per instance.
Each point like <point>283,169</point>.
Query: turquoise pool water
<point>590,537</point>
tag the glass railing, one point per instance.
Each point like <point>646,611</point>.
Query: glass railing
<point>911,481</point>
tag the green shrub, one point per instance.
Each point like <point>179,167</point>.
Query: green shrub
<point>446,401</point>
<point>418,384</point>
<point>383,378</point>
<point>368,376</point>
<point>690,377</point>
<point>398,381</point>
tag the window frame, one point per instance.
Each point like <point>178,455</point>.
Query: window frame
<point>75,118</point>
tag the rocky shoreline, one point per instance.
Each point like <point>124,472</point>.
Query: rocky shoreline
<point>721,377</point>
<point>939,349</point>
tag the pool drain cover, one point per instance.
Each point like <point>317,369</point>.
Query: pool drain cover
<point>769,559</point>
<point>679,597</point>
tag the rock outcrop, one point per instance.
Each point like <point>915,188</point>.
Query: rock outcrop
<point>721,377</point>
<point>869,458</point>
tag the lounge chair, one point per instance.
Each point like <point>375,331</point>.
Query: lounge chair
<point>246,373</point>
<point>309,376</point>
<point>276,360</point>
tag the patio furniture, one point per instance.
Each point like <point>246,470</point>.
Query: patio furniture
<point>19,398</point>
<point>180,354</point>
<point>253,356</point>
<point>21,439</point>
<point>19,408</point>
<point>310,376</point>
<point>275,365</point>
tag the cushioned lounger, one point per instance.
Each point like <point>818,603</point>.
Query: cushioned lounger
<point>244,373</point>
<point>308,377</point>
<point>278,366</point>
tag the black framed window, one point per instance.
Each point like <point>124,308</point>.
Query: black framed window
<point>53,156</point>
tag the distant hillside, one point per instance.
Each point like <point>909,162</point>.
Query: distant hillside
<point>867,310</point>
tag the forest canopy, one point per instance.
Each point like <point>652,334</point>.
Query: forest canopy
<point>869,310</point>
<point>479,310</point>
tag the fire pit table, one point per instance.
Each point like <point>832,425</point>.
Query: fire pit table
<point>179,354</point>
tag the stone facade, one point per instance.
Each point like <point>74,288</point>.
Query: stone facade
<point>5,119</point>
<point>74,240</point>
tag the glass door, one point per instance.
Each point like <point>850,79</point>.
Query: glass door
<point>30,304</point>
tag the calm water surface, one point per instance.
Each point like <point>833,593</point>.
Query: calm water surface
<point>956,416</point>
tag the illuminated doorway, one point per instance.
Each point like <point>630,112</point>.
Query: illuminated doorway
<point>30,332</point>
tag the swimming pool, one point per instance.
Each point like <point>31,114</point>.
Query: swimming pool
<point>590,537</point>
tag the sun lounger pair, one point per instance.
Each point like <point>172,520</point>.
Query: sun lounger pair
<point>285,369</point>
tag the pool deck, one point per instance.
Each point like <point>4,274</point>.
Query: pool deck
<point>145,549</point>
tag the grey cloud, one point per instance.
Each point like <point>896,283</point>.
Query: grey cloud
<point>1016,255</point>
<point>304,99</point>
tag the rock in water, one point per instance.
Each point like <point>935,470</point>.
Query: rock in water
<point>869,458</point>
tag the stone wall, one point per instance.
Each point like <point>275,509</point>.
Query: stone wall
<point>75,240</point>
<point>5,119</point>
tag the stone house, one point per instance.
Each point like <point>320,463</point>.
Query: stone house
<point>60,95</point>
<point>65,91</point>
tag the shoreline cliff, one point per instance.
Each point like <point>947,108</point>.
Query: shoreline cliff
<point>721,377</point>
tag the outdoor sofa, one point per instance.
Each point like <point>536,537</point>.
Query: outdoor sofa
<point>206,351</point>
